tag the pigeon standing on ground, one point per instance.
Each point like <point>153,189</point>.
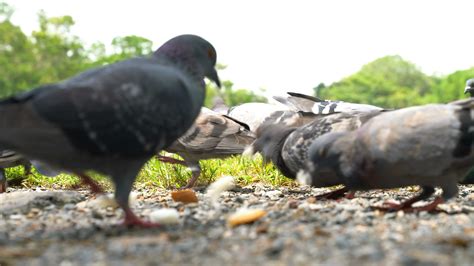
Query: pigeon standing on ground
<point>212,136</point>
<point>469,87</point>
<point>11,159</point>
<point>430,146</point>
<point>112,119</point>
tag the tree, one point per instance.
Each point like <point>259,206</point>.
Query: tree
<point>16,55</point>
<point>388,82</point>
<point>231,96</point>
<point>451,87</point>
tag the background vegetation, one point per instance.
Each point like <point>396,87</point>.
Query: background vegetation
<point>51,53</point>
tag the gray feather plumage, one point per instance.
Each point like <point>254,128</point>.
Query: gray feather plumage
<point>309,104</point>
<point>289,150</point>
<point>112,119</point>
<point>469,87</point>
<point>428,145</point>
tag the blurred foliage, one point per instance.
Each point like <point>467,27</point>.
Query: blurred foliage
<point>393,82</point>
<point>52,53</point>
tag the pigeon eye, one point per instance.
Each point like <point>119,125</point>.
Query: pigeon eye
<point>211,53</point>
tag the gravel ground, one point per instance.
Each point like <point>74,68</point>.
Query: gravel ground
<point>60,227</point>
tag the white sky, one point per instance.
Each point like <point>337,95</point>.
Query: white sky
<point>283,45</point>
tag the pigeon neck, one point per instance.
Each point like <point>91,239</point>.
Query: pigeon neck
<point>278,158</point>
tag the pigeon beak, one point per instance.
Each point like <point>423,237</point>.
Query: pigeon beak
<point>467,90</point>
<point>214,77</point>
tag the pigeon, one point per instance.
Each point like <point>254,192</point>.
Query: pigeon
<point>430,146</point>
<point>114,118</point>
<point>469,179</point>
<point>212,136</point>
<point>219,106</point>
<point>310,104</point>
<point>11,159</point>
<point>287,147</point>
<point>254,114</point>
<point>469,87</point>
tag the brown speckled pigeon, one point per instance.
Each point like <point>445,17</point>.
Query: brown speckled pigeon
<point>11,159</point>
<point>430,146</point>
<point>112,119</point>
<point>211,136</point>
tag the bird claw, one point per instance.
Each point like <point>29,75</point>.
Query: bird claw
<point>335,194</point>
<point>132,220</point>
<point>392,206</point>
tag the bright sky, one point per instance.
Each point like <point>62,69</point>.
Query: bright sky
<point>284,45</point>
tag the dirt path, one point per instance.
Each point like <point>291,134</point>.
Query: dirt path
<point>60,228</point>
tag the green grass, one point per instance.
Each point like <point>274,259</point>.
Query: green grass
<point>156,174</point>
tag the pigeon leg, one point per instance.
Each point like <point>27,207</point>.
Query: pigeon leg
<point>335,194</point>
<point>167,159</point>
<point>132,220</point>
<point>449,190</point>
<point>27,167</point>
<point>429,207</point>
<point>196,172</point>
<point>3,181</point>
<point>426,192</point>
<point>87,180</point>
<point>123,187</point>
<point>350,194</point>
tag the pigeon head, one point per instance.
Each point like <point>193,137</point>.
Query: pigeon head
<point>469,87</point>
<point>196,55</point>
<point>269,141</point>
<point>324,161</point>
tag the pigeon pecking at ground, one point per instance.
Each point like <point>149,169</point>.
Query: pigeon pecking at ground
<point>211,136</point>
<point>287,147</point>
<point>11,159</point>
<point>430,146</point>
<point>112,119</point>
<point>469,87</point>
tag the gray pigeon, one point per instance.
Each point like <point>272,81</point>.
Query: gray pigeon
<point>287,147</point>
<point>211,136</point>
<point>112,119</point>
<point>469,179</point>
<point>11,159</point>
<point>257,114</point>
<point>310,104</point>
<point>469,87</point>
<point>430,146</point>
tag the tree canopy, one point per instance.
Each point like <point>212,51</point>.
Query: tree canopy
<point>393,82</point>
<point>52,53</point>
